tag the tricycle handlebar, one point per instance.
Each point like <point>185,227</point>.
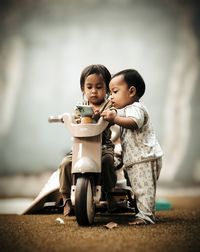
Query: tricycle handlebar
<point>56,119</point>
<point>80,130</point>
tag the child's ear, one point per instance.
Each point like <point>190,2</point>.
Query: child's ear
<point>132,91</point>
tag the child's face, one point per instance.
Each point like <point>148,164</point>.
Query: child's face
<point>95,89</point>
<point>120,94</point>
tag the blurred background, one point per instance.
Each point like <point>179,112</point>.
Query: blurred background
<point>45,44</point>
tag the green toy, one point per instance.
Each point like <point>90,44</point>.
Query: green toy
<point>162,205</point>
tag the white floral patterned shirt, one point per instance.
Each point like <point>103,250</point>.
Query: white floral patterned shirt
<point>138,145</point>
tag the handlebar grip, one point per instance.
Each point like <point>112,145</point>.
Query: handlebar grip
<point>55,119</point>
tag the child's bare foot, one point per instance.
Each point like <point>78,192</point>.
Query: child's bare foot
<point>138,222</point>
<point>67,207</point>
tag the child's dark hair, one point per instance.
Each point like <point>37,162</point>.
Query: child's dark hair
<point>133,78</point>
<point>96,69</point>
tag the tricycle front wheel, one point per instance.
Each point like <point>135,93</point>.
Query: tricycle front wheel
<point>84,202</point>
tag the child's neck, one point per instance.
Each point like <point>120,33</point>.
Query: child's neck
<point>136,99</point>
<point>97,106</point>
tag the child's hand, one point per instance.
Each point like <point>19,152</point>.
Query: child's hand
<point>109,115</point>
<point>97,112</point>
<point>96,115</point>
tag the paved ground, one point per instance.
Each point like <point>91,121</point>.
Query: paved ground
<point>177,230</point>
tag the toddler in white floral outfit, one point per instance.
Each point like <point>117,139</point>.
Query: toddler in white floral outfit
<point>141,152</point>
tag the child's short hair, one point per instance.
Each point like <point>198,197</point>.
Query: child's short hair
<point>96,69</point>
<point>133,78</point>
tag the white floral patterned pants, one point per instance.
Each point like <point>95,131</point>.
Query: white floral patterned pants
<point>143,178</point>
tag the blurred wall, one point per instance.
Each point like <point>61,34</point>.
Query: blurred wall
<point>44,45</point>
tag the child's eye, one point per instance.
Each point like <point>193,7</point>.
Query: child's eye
<point>114,91</point>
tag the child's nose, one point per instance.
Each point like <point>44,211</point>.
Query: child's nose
<point>94,90</point>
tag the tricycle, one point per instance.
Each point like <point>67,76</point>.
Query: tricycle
<point>86,193</point>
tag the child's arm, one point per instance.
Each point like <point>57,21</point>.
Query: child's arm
<point>97,113</point>
<point>113,117</point>
<point>76,116</point>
